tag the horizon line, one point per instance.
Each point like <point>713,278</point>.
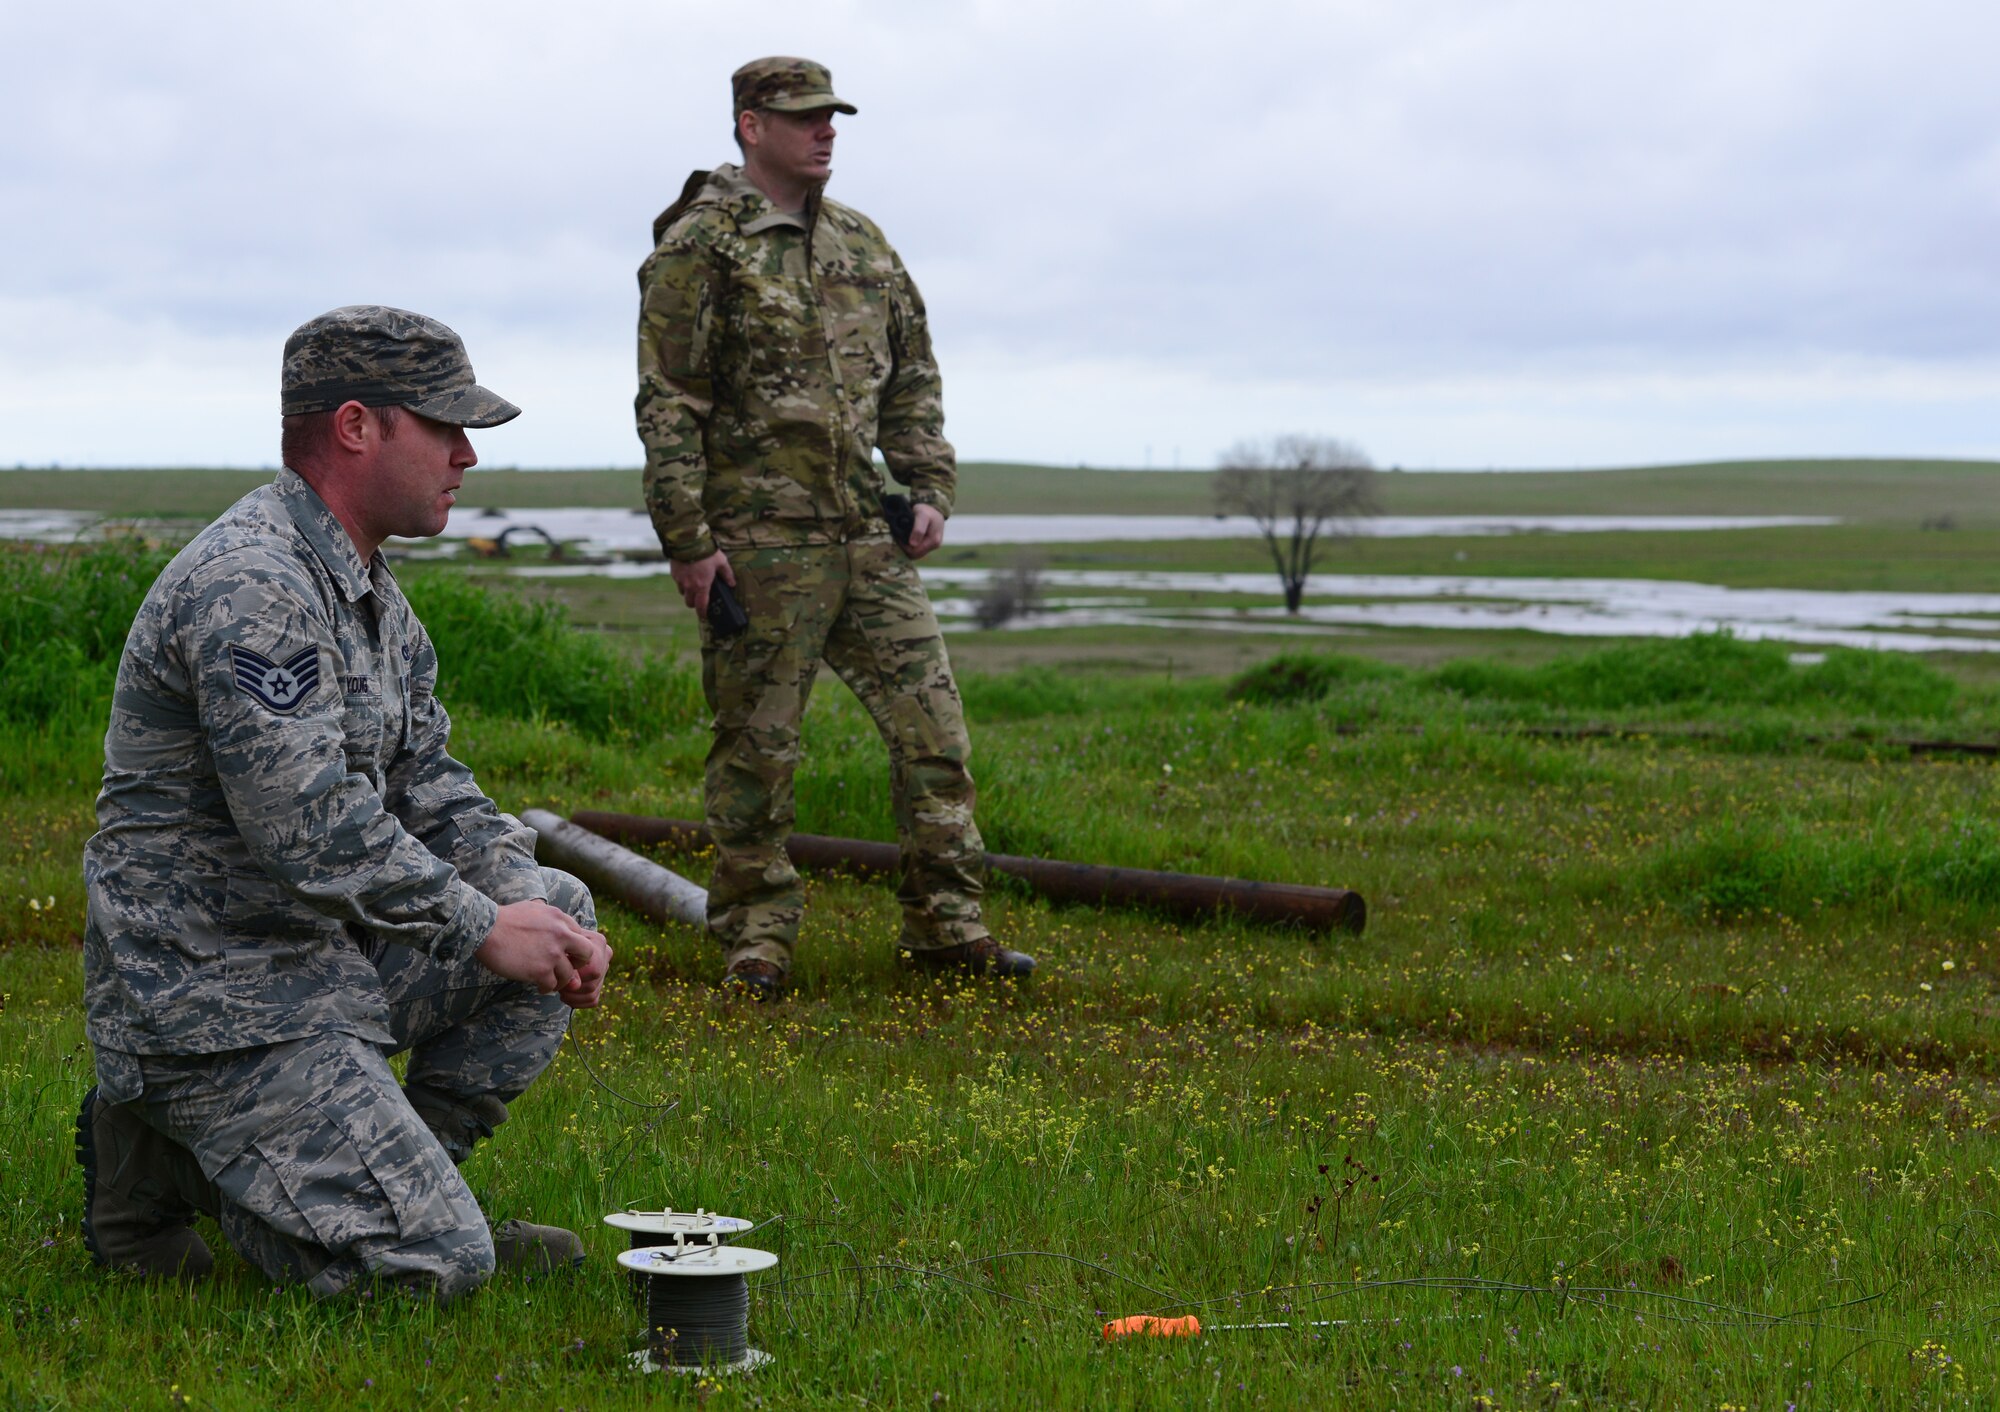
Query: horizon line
<point>272,467</point>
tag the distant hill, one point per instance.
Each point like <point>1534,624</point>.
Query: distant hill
<point>1871,490</point>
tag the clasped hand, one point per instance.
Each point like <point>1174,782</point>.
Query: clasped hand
<point>543,946</point>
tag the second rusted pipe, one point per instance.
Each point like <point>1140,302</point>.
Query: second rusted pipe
<point>1187,894</point>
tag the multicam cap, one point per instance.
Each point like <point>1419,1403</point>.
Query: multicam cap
<point>383,357</point>
<point>785,86</point>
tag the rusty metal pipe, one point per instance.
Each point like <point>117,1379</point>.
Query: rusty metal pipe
<point>1185,894</point>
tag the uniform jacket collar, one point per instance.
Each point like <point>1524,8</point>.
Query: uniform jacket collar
<point>325,534</point>
<point>728,186</point>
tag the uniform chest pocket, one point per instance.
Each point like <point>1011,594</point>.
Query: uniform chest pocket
<point>775,322</point>
<point>858,318</point>
<point>362,727</point>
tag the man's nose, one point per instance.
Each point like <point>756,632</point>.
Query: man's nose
<point>462,454</point>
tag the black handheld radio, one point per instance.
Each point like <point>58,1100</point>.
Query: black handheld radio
<point>726,617</point>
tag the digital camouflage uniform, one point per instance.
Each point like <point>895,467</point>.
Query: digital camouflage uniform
<point>290,877</point>
<point>777,351</point>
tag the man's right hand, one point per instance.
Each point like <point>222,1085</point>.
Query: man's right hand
<point>693,576</point>
<point>544,947</point>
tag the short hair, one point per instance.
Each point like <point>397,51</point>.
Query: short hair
<point>305,436</point>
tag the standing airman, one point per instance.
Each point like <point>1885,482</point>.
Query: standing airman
<point>781,344</point>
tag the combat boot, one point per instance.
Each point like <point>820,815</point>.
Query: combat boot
<point>755,979</point>
<point>540,1250</point>
<point>984,957</point>
<point>140,1190</point>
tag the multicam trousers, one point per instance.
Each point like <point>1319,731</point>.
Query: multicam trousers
<point>325,1170</point>
<point>861,608</point>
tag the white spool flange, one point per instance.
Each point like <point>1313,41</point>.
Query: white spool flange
<point>694,1262</point>
<point>690,1225</point>
<point>750,1362</point>
<point>697,1260</point>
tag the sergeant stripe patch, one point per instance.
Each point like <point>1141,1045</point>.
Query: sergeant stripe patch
<point>281,686</point>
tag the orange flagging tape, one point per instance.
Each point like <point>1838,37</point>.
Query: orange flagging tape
<point>1153,1326</point>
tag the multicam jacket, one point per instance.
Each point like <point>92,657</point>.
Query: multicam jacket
<point>277,797</point>
<point>768,378</point>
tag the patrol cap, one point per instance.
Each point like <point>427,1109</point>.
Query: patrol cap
<point>383,357</point>
<point>785,86</point>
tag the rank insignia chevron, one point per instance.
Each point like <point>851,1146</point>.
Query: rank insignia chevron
<point>282,686</point>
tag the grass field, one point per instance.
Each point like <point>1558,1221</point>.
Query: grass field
<point>1883,491</point>
<point>1664,1076</point>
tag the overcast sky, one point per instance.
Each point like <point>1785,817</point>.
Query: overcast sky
<point>1464,234</point>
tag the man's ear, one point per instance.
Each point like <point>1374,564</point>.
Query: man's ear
<point>750,127</point>
<point>353,428</point>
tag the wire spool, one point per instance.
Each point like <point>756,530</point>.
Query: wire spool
<point>671,1227</point>
<point>698,1307</point>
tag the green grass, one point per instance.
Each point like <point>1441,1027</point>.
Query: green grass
<point>502,653</point>
<point>1658,678</point>
<point>64,613</point>
<point>1664,1075</point>
<point>1876,491</point>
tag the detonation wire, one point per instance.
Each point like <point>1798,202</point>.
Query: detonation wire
<point>1600,1296</point>
<point>944,1273</point>
<point>1585,1296</point>
<point>664,1109</point>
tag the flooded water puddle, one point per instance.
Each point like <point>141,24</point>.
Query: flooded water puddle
<point>627,531</point>
<point>1180,601</point>
<point>1344,603</point>
<point>1898,622</point>
<point>48,526</point>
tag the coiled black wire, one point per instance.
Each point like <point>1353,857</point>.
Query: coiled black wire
<point>648,1240</point>
<point>695,1321</point>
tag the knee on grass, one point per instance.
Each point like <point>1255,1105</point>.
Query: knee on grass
<point>445,1266</point>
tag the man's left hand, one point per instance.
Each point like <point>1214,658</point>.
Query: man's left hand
<point>588,988</point>
<point>544,947</point>
<point>928,532</point>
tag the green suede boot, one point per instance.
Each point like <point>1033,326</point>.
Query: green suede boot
<point>540,1250</point>
<point>140,1191</point>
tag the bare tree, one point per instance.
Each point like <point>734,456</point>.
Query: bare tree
<point>1300,490</point>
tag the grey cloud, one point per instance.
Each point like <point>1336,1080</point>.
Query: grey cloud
<point>1352,194</point>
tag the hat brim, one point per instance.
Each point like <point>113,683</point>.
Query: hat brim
<point>811,103</point>
<point>467,407</point>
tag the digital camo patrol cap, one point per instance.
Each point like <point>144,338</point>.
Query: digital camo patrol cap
<point>383,357</point>
<point>785,86</point>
